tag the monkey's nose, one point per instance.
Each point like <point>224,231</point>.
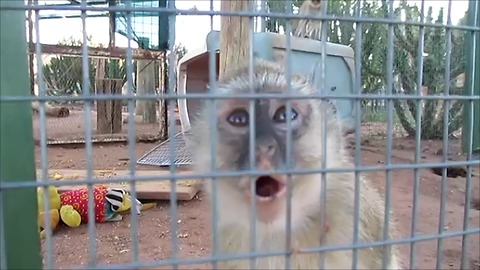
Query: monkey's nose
<point>267,149</point>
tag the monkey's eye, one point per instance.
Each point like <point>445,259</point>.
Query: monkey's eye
<point>280,116</point>
<point>238,118</point>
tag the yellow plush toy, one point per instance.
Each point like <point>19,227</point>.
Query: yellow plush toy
<point>66,212</point>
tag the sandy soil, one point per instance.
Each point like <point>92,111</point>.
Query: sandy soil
<point>194,222</point>
<point>73,126</point>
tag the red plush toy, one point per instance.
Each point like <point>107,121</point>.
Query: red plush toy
<point>78,199</point>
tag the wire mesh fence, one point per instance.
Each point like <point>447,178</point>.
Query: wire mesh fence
<point>63,78</point>
<point>404,82</point>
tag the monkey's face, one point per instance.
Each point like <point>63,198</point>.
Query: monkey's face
<point>269,131</point>
<point>268,127</point>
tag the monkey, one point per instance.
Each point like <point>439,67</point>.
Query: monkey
<point>233,192</point>
<point>308,28</point>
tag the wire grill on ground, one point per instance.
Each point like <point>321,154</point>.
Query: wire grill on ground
<point>161,155</point>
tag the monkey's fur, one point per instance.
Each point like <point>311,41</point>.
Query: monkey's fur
<point>309,28</point>
<point>232,154</point>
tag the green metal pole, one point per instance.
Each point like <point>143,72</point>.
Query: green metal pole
<point>20,239</point>
<point>472,79</point>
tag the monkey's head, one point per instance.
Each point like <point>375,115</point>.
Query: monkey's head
<point>315,4</point>
<point>231,124</point>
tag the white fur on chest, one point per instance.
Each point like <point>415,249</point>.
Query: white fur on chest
<point>271,238</point>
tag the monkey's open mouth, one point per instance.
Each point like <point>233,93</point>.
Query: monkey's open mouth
<point>269,187</point>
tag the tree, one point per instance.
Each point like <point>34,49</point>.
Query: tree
<point>63,74</point>
<point>374,63</point>
<point>373,35</point>
<point>407,36</point>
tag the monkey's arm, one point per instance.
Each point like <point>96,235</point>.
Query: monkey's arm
<point>372,226</point>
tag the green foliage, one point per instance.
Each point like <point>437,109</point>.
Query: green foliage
<point>273,24</point>
<point>434,73</point>
<point>116,69</point>
<point>63,74</point>
<point>406,37</point>
<point>376,114</point>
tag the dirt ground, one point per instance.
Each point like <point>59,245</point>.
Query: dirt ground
<point>73,127</point>
<point>194,222</point>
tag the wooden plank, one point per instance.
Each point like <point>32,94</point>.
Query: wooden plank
<point>146,86</point>
<point>101,138</point>
<point>97,52</point>
<point>186,189</point>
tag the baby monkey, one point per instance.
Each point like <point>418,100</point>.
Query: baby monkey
<point>308,28</point>
<point>233,196</point>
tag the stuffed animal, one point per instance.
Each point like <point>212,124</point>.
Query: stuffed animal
<point>107,203</point>
<point>56,211</point>
<point>71,207</point>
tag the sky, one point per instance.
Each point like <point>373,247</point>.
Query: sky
<point>190,31</point>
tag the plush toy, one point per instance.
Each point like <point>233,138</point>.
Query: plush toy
<point>107,203</point>
<point>54,199</point>
<point>71,207</point>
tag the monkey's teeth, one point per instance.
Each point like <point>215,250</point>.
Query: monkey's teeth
<point>265,199</point>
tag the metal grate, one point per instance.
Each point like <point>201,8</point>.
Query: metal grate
<point>161,154</point>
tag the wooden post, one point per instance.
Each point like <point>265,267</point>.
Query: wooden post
<point>111,17</point>
<point>19,237</point>
<point>234,35</point>
<point>31,48</point>
<point>99,72</point>
<point>109,112</point>
<point>162,104</point>
<point>472,80</point>
<point>146,85</point>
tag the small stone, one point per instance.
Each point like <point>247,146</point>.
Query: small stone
<point>182,235</point>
